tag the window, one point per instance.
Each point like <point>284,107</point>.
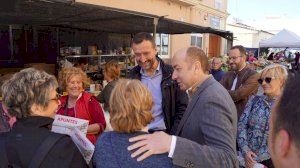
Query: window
<point>196,40</point>
<point>214,22</point>
<point>218,4</point>
<point>162,43</point>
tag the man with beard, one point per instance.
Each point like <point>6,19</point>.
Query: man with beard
<point>169,102</point>
<point>241,80</point>
<point>206,134</point>
<point>284,138</point>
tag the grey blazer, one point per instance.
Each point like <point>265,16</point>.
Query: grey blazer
<point>206,135</point>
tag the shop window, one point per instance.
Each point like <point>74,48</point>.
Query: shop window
<point>162,43</point>
<point>196,40</point>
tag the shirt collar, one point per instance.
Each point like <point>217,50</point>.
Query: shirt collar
<point>240,71</point>
<point>190,91</point>
<point>36,121</point>
<point>142,72</point>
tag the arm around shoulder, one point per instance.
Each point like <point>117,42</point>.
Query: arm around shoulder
<point>219,130</point>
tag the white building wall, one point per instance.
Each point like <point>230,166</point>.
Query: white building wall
<point>247,37</point>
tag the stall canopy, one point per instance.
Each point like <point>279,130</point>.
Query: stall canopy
<point>283,39</point>
<point>69,13</point>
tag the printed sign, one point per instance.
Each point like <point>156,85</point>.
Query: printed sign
<point>64,124</point>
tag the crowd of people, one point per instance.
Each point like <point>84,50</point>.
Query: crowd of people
<point>187,114</point>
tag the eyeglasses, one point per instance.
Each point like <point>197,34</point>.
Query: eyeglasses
<point>266,79</point>
<point>233,58</point>
<point>57,97</point>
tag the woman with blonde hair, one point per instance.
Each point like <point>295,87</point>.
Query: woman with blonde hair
<point>79,103</point>
<point>130,111</point>
<point>253,126</point>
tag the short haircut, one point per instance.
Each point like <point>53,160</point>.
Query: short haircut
<point>131,104</point>
<point>143,36</point>
<point>112,69</point>
<point>66,73</point>
<point>276,70</point>
<point>287,111</point>
<point>241,49</point>
<point>25,88</point>
<point>3,79</point>
<point>197,54</point>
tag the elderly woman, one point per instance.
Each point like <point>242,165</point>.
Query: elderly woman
<point>253,127</point>
<point>130,114</point>
<point>111,74</point>
<point>31,97</point>
<point>79,103</point>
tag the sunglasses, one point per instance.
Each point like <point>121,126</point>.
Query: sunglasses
<point>266,79</point>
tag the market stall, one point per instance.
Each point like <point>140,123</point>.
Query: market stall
<point>284,38</point>
<point>279,45</point>
<point>36,31</point>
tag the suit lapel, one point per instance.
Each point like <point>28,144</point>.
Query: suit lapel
<point>193,102</point>
<point>241,76</point>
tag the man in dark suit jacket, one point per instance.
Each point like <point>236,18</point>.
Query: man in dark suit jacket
<point>169,102</point>
<point>206,135</point>
<point>241,80</point>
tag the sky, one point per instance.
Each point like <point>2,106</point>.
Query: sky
<point>269,15</point>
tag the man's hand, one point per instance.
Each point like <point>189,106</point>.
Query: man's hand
<point>249,159</point>
<point>147,145</point>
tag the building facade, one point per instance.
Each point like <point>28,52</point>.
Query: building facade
<point>246,35</point>
<point>207,13</point>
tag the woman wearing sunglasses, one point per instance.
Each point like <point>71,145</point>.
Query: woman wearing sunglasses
<point>253,126</point>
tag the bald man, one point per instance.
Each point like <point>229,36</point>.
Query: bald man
<point>206,134</point>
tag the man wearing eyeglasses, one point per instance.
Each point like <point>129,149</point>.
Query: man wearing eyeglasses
<point>241,80</point>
